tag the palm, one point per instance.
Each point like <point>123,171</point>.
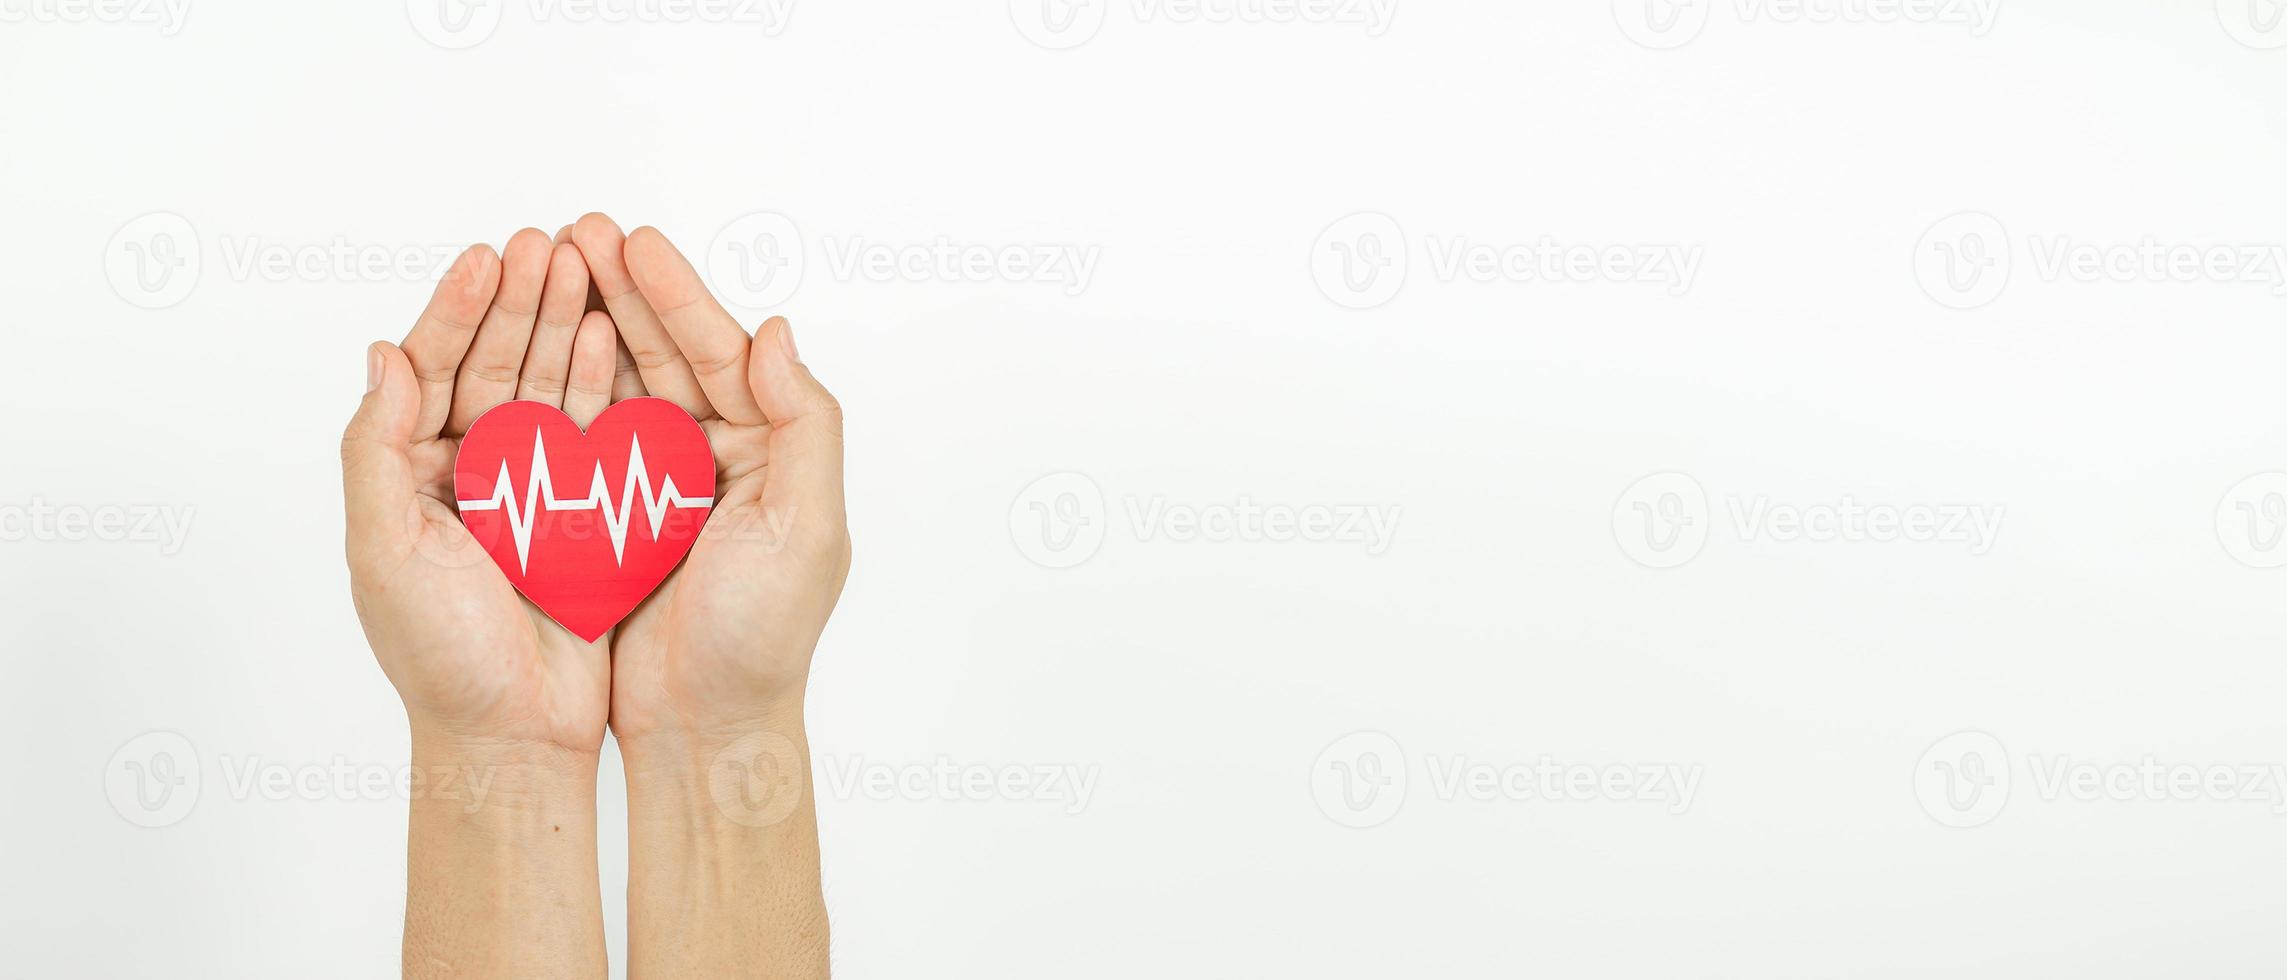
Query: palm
<point>740,614</point>
<point>493,659</point>
<point>466,652</point>
<point>732,628</point>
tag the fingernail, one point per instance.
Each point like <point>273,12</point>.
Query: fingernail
<point>786,340</point>
<point>373,367</point>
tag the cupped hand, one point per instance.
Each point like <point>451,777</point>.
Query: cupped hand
<point>723,646</point>
<point>471,658</point>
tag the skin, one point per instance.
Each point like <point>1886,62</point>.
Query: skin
<point>702,685</point>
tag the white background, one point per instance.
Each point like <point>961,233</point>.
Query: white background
<point>1210,685</point>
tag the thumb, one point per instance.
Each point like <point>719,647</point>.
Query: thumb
<point>805,420</point>
<point>376,472</point>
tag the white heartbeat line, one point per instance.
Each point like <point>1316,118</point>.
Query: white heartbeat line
<point>540,495</point>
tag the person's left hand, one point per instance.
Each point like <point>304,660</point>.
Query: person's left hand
<point>474,662</point>
<point>722,649</point>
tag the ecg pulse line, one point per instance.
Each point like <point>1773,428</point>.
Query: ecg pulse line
<point>540,496</point>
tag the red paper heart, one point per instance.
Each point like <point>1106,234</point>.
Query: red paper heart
<point>620,504</point>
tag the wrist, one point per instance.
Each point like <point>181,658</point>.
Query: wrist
<point>665,738</point>
<point>723,871</point>
<point>501,873</point>
<point>501,777</point>
<point>752,773</point>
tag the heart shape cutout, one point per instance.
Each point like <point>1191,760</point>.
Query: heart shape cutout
<point>585,524</point>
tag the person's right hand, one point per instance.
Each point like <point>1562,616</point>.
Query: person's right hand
<point>473,660</point>
<point>722,649</point>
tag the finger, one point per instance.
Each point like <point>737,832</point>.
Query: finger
<point>710,338</point>
<point>665,373</point>
<point>595,299</point>
<point>588,390</point>
<point>488,373</point>
<point>376,471</point>
<point>805,420</point>
<point>627,379</point>
<point>441,337</point>
<point>548,360</point>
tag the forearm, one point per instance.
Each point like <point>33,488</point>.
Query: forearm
<point>501,862</point>
<point>723,876</point>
